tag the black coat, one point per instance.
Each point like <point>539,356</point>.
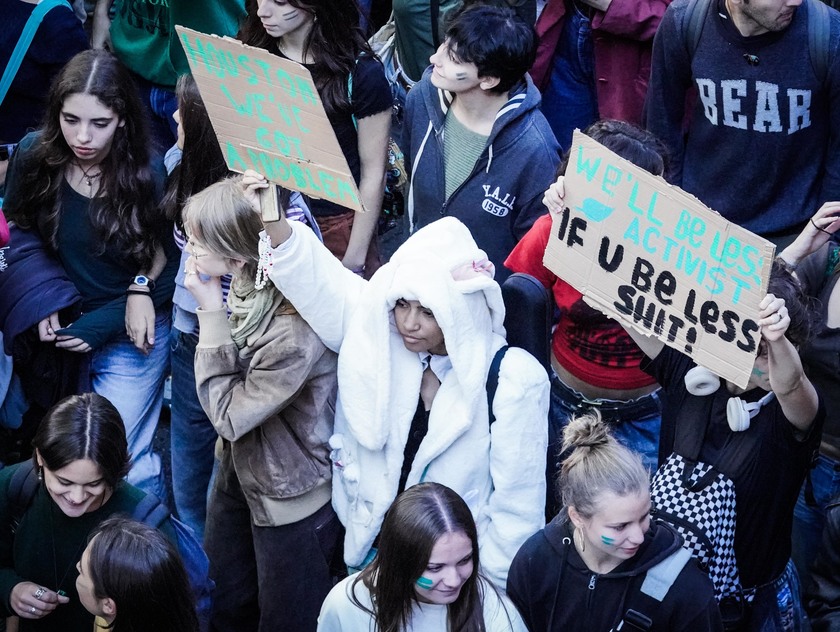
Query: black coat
<point>555,591</point>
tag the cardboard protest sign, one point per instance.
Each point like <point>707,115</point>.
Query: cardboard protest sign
<point>268,117</point>
<point>653,256</point>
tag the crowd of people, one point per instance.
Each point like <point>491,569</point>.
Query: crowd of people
<point>354,444</point>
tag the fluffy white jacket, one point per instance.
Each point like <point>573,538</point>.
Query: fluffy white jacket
<point>500,470</point>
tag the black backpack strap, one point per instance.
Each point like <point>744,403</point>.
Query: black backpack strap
<point>151,511</point>
<point>819,37</point>
<point>493,380</point>
<point>693,22</point>
<point>22,489</point>
<point>655,586</point>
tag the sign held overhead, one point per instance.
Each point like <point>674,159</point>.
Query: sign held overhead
<point>652,256</point>
<point>268,117</point>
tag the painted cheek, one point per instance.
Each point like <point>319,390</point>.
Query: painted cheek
<point>608,541</point>
<point>425,582</point>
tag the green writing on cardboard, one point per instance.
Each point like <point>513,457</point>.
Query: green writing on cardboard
<point>307,179</point>
<point>721,264</point>
<point>224,64</point>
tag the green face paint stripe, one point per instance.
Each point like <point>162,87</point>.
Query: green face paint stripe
<point>424,582</point>
<point>607,541</point>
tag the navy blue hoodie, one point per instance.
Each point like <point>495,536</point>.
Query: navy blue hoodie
<point>502,197</point>
<point>555,591</point>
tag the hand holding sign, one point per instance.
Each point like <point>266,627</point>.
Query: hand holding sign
<point>654,257</point>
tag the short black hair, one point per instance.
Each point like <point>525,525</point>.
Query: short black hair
<point>496,40</point>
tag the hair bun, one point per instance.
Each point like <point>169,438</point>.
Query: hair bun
<point>586,431</point>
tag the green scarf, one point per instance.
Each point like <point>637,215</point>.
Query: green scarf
<point>248,306</point>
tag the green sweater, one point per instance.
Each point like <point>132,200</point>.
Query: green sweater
<point>47,546</point>
<point>143,35</point>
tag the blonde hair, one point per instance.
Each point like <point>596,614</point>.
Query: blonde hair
<point>226,223</point>
<point>597,464</point>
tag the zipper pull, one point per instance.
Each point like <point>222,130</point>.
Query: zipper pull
<point>592,581</point>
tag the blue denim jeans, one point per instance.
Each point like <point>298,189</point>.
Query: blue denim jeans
<point>809,518</point>
<point>570,100</point>
<point>777,606</point>
<point>133,382</point>
<point>267,578</point>
<point>192,437</point>
<point>634,423</point>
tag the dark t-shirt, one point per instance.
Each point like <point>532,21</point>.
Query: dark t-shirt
<point>767,478</point>
<point>371,95</point>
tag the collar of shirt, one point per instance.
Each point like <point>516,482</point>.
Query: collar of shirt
<point>441,364</point>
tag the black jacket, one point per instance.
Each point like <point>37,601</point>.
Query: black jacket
<point>555,591</point>
<point>822,600</point>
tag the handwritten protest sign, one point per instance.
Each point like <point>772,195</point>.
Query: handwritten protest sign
<point>268,117</point>
<point>653,256</point>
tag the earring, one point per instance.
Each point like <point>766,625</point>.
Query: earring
<point>40,473</point>
<point>582,544</point>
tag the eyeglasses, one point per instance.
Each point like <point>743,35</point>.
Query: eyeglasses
<point>193,251</point>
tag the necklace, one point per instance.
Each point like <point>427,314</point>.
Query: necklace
<point>86,174</point>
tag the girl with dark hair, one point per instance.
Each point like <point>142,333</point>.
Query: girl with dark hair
<point>268,385</point>
<point>192,436</point>
<point>85,185</point>
<point>419,348</point>
<point>132,579</point>
<point>425,575</point>
<point>595,364</point>
<point>81,456</point>
<point>325,37</point>
<point>591,562</point>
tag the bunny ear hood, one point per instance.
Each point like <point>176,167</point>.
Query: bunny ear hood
<point>379,379</point>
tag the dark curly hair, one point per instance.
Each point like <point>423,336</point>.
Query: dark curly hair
<point>125,208</point>
<point>804,318</point>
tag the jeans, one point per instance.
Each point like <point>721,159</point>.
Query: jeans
<point>570,100</point>
<point>777,606</point>
<point>267,578</point>
<point>809,519</point>
<point>634,423</point>
<point>192,437</point>
<point>133,383</point>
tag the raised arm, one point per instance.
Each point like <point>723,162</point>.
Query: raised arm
<point>321,289</point>
<point>796,395</point>
<point>818,230</point>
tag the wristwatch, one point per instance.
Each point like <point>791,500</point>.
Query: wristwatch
<point>144,281</point>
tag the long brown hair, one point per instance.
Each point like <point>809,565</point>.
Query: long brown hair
<point>418,518</point>
<point>124,214</point>
<point>202,162</point>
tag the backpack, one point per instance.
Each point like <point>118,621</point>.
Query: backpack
<point>151,511</point>
<point>819,32</point>
<point>699,502</point>
<point>655,586</point>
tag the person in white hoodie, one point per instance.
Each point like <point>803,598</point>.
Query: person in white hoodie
<point>415,346</point>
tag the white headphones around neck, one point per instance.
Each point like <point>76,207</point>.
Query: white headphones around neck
<point>702,382</point>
